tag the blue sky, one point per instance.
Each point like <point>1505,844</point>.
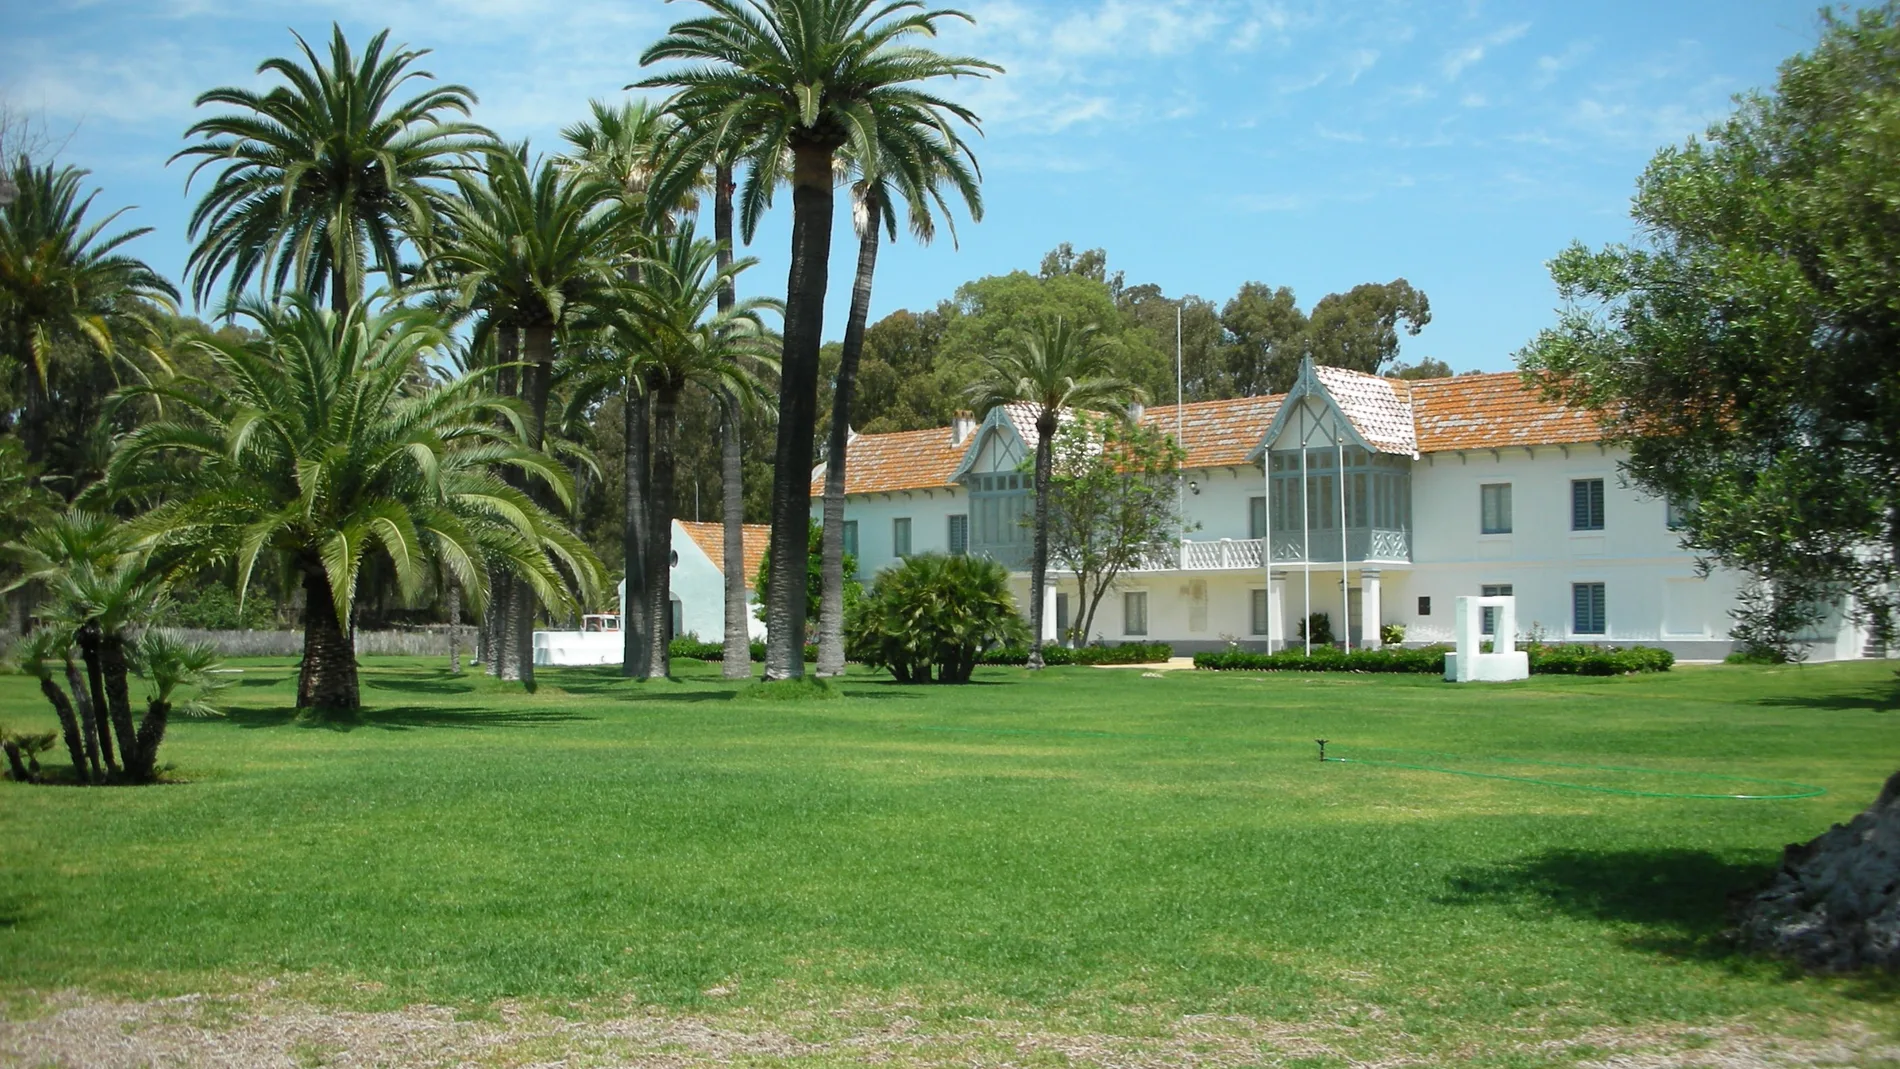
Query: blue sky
<point>1203,143</point>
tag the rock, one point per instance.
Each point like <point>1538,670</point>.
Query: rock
<point>1834,905</point>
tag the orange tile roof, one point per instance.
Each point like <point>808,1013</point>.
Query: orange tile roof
<point>1379,408</point>
<point>711,540</point>
<point>900,460</point>
<point>1216,433</point>
<point>1492,412</point>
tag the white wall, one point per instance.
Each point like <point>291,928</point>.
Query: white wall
<point>700,587</point>
<point>929,512</point>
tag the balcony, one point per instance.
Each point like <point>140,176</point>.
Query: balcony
<point>1226,554</point>
<point>1389,545</point>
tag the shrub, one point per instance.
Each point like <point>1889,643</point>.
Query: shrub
<point>1392,634</point>
<point>930,615</point>
<point>1321,625</point>
<point>1126,653</point>
<point>691,646</point>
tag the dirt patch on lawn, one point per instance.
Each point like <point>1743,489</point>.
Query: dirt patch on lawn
<point>72,1029</point>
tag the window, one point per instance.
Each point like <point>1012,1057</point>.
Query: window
<point>900,537</point>
<point>1259,611</point>
<point>1494,507</point>
<point>1586,504</point>
<point>1135,612</point>
<point>1587,609</point>
<point>1424,606</point>
<point>673,621</point>
<point>1676,514</point>
<point>959,534</point>
<point>1256,517</point>
<point>851,537</point>
<point>1489,624</point>
<point>1062,616</point>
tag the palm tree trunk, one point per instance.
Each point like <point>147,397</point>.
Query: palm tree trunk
<point>537,377</point>
<point>831,611</point>
<point>119,702</point>
<point>636,616</point>
<point>152,732</point>
<point>455,627</point>
<point>1039,563</point>
<point>88,719</point>
<point>327,682</point>
<point>666,402</point>
<point>68,725</point>
<point>504,660</point>
<point>89,650</point>
<point>798,408</point>
<point>737,662</point>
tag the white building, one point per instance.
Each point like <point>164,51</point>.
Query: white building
<point>1470,485</point>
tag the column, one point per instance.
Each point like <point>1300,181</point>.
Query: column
<point>1048,613</point>
<point>1276,611</point>
<point>1369,610</point>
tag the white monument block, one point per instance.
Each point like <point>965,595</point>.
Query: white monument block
<point>1469,664</point>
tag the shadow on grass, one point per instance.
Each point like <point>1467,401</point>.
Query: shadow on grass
<point>1679,898</point>
<point>1875,700</point>
<point>405,718</point>
<point>446,684</point>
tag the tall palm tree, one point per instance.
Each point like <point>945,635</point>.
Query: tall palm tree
<point>61,280</point>
<point>797,80</point>
<point>1058,366</point>
<point>913,164</point>
<point>689,341</point>
<point>529,244</point>
<point>625,147</point>
<point>325,173</point>
<point>319,445</point>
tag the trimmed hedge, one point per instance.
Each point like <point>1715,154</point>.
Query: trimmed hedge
<point>691,646</point>
<point>1126,653</point>
<point>1574,659</point>
<point>1327,659</point>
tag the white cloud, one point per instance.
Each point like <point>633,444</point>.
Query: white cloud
<point>1458,60</point>
<point>1549,67</point>
<point>1350,136</point>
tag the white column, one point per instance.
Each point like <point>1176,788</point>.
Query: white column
<point>1048,613</point>
<point>1369,609</point>
<point>1276,611</point>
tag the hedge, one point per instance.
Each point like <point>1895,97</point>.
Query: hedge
<point>1126,653</point>
<point>691,646</point>
<point>1575,659</point>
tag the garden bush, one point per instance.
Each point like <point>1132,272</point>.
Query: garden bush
<point>930,616</point>
<point>691,646</point>
<point>1126,653</point>
<point>1577,659</point>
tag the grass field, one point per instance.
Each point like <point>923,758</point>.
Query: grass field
<point>1082,852</point>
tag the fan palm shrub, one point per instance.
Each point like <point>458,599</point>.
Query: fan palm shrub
<point>324,446</point>
<point>1058,365</point>
<point>793,82</point>
<point>325,173</point>
<point>64,280</point>
<point>930,617</point>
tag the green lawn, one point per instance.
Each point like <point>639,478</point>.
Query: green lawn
<point>1086,846</point>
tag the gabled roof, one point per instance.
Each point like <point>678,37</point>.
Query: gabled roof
<point>900,460</point>
<point>1380,409</point>
<point>1492,412</point>
<point>711,540</point>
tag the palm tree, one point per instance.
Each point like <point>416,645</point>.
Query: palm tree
<point>60,280</point>
<point>1057,367</point>
<point>529,245</point>
<point>688,341</point>
<point>624,147</point>
<point>797,80</point>
<point>325,173</point>
<point>912,164</point>
<point>320,446</point>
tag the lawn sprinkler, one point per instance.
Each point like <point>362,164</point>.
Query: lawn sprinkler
<point>1322,748</point>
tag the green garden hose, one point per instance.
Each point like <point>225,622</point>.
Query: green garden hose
<point>1801,790</point>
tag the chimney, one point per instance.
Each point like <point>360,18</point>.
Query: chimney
<point>962,427</point>
<point>1135,409</point>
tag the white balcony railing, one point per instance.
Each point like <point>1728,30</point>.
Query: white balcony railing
<point>1206,556</point>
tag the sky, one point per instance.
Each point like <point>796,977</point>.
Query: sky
<point>1203,143</point>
